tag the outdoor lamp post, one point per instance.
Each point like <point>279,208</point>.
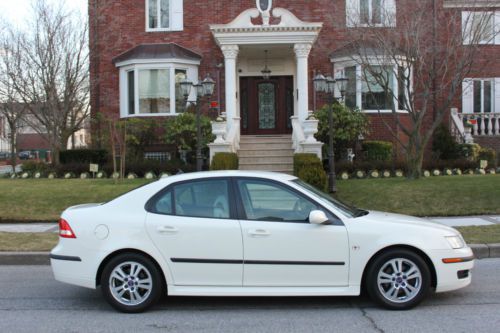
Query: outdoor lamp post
<point>327,86</point>
<point>202,89</point>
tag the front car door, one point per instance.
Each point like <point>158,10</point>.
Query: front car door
<point>281,248</point>
<point>192,225</point>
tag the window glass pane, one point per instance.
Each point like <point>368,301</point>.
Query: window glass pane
<point>482,27</point>
<point>364,11</point>
<point>165,13</point>
<point>153,14</point>
<point>350,97</point>
<point>377,11</point>
<point>164,204</point>
<point>267,106</point>
<point>180,102</point>
<point>265,201</point>
<point>402,89</point>
<point>131,92</point>
<point>487,96</point>
<point>208,199</point>
<point>477,96</point>
<point>375,95</point>
<point>154,91</point>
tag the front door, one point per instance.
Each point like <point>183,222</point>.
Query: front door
<point>266,105</point>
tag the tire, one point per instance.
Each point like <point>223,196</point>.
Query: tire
<point>131,283</point>
<point>398,279</point>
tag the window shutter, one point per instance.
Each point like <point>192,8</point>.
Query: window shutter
<point>352,13</point>
<point>177,15</point>
<point>496,89</point>
<point>390,12</point>
<point>467,96</point>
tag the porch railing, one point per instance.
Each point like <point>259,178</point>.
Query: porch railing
<point>483,124</point>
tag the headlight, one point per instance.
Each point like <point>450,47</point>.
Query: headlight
<point>455,242</point>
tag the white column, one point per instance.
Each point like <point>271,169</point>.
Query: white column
<point>302,54</point>
<point>230,55</point>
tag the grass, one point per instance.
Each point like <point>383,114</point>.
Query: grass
<point>481,234</point>
<point>435,196</point>
<point>44,199</point>
<point>26,242</point>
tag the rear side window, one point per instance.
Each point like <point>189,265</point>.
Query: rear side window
<point>202,198</point>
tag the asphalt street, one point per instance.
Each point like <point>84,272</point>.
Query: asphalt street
<point>32,301</point>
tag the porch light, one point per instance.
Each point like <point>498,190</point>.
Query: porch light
<point>330,84</point>
<point>186,87</point>
<point>208,86</point>
<point>342,85</point>
<point>319,83</point>
<point>199,89</point>
<point>266,72</point>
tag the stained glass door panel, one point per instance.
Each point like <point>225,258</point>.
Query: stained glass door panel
<point>267,106</point>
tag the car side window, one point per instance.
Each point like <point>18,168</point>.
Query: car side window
<point>207,198</point>
<point>163,204</point>
<point>266,201</point>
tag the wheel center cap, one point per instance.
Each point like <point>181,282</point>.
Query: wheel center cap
<point>399,280</point>
<point>130,283</point>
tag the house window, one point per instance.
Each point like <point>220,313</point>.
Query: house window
<point>483,92</point>
<point>478,27</point>
<point>481,95</point>
<point>154,90</point>
<point>371,13</point>
<point>366,92</point>
<point>164,15</point>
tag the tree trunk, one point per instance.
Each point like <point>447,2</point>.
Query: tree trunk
<point>415,158</point>
<point>13,155</point>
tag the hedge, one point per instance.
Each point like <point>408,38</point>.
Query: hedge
<point>225,161</point>
<point>309,168</point>
<point>97,156</point>
<point>377,150</point>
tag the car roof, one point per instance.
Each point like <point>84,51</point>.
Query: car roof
<point>231,173</point>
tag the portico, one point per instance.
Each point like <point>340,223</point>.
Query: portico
<point>245,47</point>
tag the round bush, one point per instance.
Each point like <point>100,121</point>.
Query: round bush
<point>101,175</point>
<point>374,174</point>
<point>52,175</point>
<point>115,175</point>
<point>84,175</point>
<point>344,175</point>
<point>25,175</point>
<point>399,173</point>
<point>457,172</point>
<point>69,175</point>
<point>360,174</point>
<point>436,172</point>
<point>150,175</point>
<point>447,172</point>
<point>386,174</point>
<point>131,175</point>
<point>38,175</point>
<point>426,173</point>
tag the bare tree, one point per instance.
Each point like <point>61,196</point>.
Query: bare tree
<point>10,108</point>
<point>50,73</point>
<point>418,66</point>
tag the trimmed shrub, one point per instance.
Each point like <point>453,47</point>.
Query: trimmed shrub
<point>469,151</point>
<point>32,167</point>
<point>225,161</point>
<point>377,150</point>
<point>97,156</point>
<point>444,145</point>
<point>489,155</point>
<point>309,168</point>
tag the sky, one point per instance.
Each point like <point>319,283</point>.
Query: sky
<point>14,11</point>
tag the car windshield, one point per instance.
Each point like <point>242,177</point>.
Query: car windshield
<point>344,208</point>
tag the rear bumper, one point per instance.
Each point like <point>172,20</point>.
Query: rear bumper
<point>71,268</point>
<point>453,276</point>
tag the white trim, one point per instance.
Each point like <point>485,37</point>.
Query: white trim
<point>175,20</point>
<point>158,61</point>
<point>191,72</point>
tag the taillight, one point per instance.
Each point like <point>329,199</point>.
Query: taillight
<point>65,230</point>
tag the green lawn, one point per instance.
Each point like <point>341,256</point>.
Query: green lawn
<point>434,196</point>
<point>44,199</point>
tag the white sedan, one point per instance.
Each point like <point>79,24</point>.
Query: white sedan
<point>252,234</point>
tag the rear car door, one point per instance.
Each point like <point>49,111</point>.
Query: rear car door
<point>281,248</point>
<point>192,225</point>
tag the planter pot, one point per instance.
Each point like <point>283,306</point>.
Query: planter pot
<point>219,130</point>
<point>310,128</point>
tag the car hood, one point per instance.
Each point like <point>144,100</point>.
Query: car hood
<point>389,218</point>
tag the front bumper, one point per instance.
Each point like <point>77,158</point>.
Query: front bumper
<point>453,276</point>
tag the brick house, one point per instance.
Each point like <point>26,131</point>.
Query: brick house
<point>142,49</point>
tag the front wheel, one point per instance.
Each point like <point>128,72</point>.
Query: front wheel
<point>398,279</point>
<point>131,283</point>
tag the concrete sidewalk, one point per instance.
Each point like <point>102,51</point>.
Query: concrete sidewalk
<point>457,221</point>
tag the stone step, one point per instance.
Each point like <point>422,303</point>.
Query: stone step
<point>265,152</point>
<point>266,145</point>
<point>265,139</point>
<point>281,167</point>
<point>265,160</point>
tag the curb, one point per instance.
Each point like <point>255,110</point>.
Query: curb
<point>481,251</point>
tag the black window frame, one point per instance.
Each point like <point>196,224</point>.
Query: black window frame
<point>150,204</point>
<point>241,214</point>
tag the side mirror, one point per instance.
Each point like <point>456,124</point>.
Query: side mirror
<point>318,217</point>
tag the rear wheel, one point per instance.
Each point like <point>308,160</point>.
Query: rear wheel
<point>398,279</point>
<point>131,283</point>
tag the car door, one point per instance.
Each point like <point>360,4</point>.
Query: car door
<point>281,248</point>
<point>192,225</point>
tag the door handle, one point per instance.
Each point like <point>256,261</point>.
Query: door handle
<point>259,233</point>
<point>165,229</point>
